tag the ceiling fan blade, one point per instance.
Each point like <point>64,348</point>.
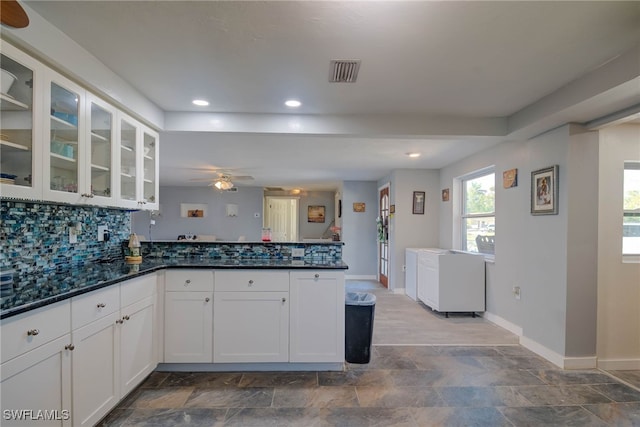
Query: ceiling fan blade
<point>12,14</point>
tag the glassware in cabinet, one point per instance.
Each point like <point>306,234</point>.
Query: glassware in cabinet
<point>18,164</point>
<point>101,153</point>
<point>128,165</point>
<point>64,153</point>
<point>150,155</point>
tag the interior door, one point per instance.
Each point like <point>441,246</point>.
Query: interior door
<point>281,216</point>
<point>383,244</point>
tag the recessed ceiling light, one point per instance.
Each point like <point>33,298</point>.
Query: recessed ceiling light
<point>293,103</point>
<point>200,102</point>
<point>413,154</point>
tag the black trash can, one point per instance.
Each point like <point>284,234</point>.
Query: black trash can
<point>358,319</point>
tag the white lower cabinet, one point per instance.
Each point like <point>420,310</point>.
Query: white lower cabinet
<point>113,346</point>
<point>35,382</point>
<point>188,327</point>
<point>251,327</point>
<point>317,316</point>
<point>35,374</point>
<point>137,344</point>
<point>96,370</point>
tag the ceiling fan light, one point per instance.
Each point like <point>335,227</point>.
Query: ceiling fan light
<point>223,185</point>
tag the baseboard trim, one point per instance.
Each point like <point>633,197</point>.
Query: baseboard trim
<point>503,323</point>
<point>359,277</point>
<point>589,362</point>
<point>619,364</point>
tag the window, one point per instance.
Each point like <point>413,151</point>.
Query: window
<point>478,212</point>
<point>631,209</point>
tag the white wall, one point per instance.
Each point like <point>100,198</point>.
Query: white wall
<point>541,254</point>
<point>360,251</point>
<point>409,230</point>
<point>618,282</point>
<point>315,230</point>
<point>170,224</point>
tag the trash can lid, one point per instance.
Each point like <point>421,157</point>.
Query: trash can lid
<point>359,298</point>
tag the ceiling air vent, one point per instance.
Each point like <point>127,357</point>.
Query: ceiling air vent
<point>344,70</point>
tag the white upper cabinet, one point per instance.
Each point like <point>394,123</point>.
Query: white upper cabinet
<point>100,162</point>
<point>137,164</point>
<point>20,108</point>
<point>61,143</point>
<point>65,147</point>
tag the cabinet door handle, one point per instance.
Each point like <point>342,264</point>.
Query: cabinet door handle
<point>207,299</point>
<point>33,332</point>
<point>126,317</point>
<point>101,305</point>
<point>317,276</point>
<point>119,321</point>
<point>284,300</point>
<point>69,347</point>
<point>250,282</point>
<point>186,282</point>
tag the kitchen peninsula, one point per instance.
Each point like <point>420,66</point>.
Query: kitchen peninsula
<point>210,306</point>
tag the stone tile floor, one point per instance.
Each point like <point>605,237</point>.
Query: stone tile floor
<point>402,386</point>
<point>419,384</point>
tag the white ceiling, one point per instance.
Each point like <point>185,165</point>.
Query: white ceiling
<point>420,59</point>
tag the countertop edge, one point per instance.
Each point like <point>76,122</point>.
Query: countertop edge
<point>76,292</point>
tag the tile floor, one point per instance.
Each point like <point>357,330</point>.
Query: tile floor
<point>417,383</point>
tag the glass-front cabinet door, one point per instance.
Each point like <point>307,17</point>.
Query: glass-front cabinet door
<point>150,171</point>
<point>100,162</point>
<point>20,160</point>
<point>64,166</point>
<point>129,165</point>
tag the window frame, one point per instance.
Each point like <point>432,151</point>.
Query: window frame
<point>464,215</point>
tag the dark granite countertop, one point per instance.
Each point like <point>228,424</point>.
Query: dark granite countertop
<point>38,290</point>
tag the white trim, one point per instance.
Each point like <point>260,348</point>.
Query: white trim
<point>243,367</point>
<point>619,364</point>
<point>589,362</point>
<point>360,277</point>
<point>503,323</point>
<point>543,351</point>
<point>558,359</point>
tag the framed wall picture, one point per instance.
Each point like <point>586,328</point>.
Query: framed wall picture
<point>510,178</point>
<point>544,191</point>
<point>193,210</point>
<point>359,207</point>
<point>445,195</point>
<point>315,213</point>
<point>418,202</point>
<point>392,209</point>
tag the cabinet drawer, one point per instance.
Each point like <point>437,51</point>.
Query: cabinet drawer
<point>252,280</point>
<point>189,280</point>
<point>94,305</point>
<point>137,289</point>
<point>28,331</point>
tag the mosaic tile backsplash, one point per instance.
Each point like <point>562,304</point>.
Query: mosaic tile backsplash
<point>34,237</point>
<point>248,251</point>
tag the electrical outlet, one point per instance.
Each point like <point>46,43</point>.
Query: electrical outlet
<point>297,252</point>
<point>516,292</point>
<point>101,230</point>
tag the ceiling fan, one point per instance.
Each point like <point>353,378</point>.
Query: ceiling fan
<point>223,179</point>
<point>12,14</point>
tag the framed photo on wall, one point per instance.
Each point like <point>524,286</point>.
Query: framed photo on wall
<point>544,191</point>
<point>418,202</point>
<point>315,213</point>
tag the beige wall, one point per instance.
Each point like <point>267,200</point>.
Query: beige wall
<point>618,282</point>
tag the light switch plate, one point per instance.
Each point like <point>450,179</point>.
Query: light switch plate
<point>297,252</point>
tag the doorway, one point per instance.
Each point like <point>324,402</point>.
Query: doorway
<point>281,216</point>
<point>383,237</point>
